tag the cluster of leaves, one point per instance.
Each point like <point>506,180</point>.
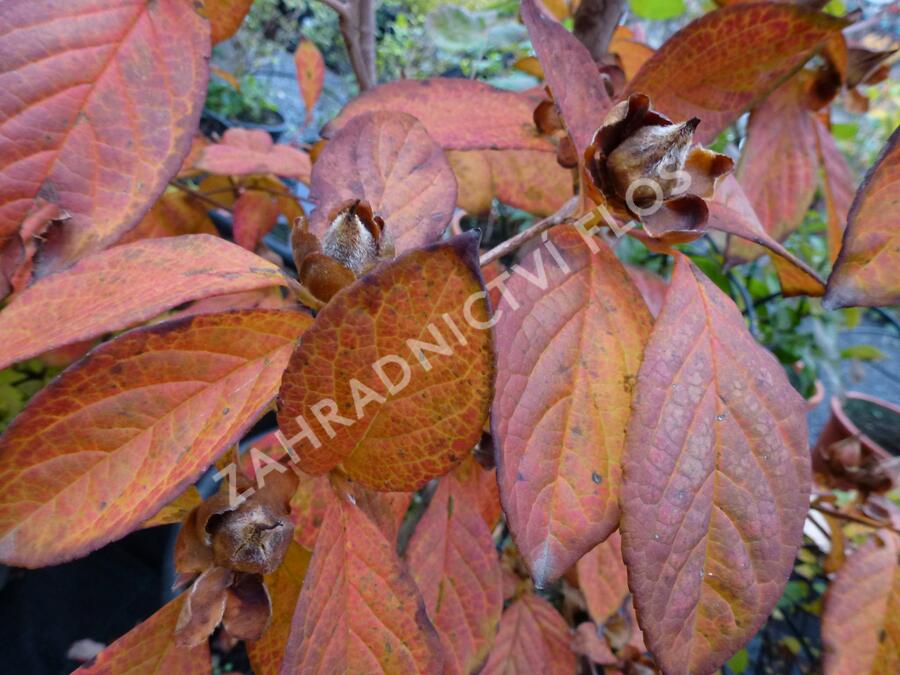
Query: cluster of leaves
<point>640,493</point>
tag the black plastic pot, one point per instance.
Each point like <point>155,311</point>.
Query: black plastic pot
<point>212,122</point>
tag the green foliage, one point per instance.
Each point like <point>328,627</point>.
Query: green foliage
<point>658,10</point>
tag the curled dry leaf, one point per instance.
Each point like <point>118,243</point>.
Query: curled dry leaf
<point>866,270</point>
<point>114,124</point>
<point>716,479</point>
<point>393,383</point>
<point>721,64</point>
<point>203,607</point>
<point>388,160</point>
<point>861,618</point>
<point>118,288</point>
<point>643,167</point>
<point>569,347</point>
<point>251,151</point>
<point>359,611</point>
<point>103,485</point>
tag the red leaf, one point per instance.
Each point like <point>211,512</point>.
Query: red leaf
<point>716,483</point>
<point>150,647</point>
<point>839,187</point>
<point>455,565</point>
<point>445,108</point>
<point>394,432</point>
<point>533,638</point>
<point>122,432</point>
<point>723,63</point>
<point>359,611</point>
<point>310,74</point>
<point>569,70</point>
<point>250,151</point>
<point>861,619</point>
<point>567,359</point>
<point>388,160</point>
<point>652,286</point>
<point>255,214</point>
<point>866,270</point>
<point>225,17</point>
<point>114,289</point>
<point>602,578</point>
<point>99,103</point>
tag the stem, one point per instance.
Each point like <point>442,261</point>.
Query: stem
<point>853,518</point>
<point>595,21</point>
<point>511,244</point>
<point>198,195</point>
<point>356,19</point>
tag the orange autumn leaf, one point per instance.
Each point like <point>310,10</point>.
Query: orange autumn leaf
<point>444,106</point>
<point>632,53</point>
<point>118,288</point>
<point>359,610</point>
<point>716,479</point>
<point>198,384</point>
<point>284,586</point>
<point>838,185</point>
<point>570,73</point>
<point>388,160</point>
<point>150,648</point>
<point>176,510</point>
<point>114,125</point>
<point>796,280</point>
<point>602,578</point>
<point>250,151</point>
<point>225,17</point>
<point>481,486</point>
<point>726,61</point>
<point>174,213</point>
<point>568,353</point>
<point>310,74</point>
<point>454,563</point>
<point>533,638</point>
<point>394,380</point>
<point>861,618</point>
<point>255,214</point>
<point>866,270</point>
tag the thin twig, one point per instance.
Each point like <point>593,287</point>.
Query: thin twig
<point>511,244</point>
<point>595,21</point>
<point>337,6</point>
<point>198,195</point>
<point>852,517</point>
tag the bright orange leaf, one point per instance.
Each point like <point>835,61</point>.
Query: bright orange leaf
<point>455,565</point>
<point>602,578</point>
<point>866,270</point>
<point>225,17</point>
<point>533,638</point>
<point>388,160</point>
<point>174,213</point>
<point>861,619</point>
<point>150,648</point>
<point>568,354</point>
<point>726,61</point>
<point>250,151</point>
<point>359,611</point>
<point>310,74</point>
<point>393,381</point>
<point>445,108</point>
<point>99,104</point>
<point>125,430</point>
<point>123,286</point>
<point>716,479</point>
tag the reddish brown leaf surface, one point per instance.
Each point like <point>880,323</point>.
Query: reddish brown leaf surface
<point>839,187</point>
<point>866,270</point>
<point>602,578</point>
<point>590,642</point>
<point>284,586</point>
<point>98,103</point>
<point>533,638</point>
<point>778,165</point>
<point>359,611</point>
<point>400,439</point>
<point>453,560</point>
<point>150,648</point>
<point>525,179</point>
<point>652,287</point>
<point>310,74</point>
<point>567,360</point>
<point>388,160</point>
<point>225,17</point>
<point>250,151</point>
<point>122,432</point>
<point>255,214</point>
<point>114,289</point>
<point>174,213</point>
<point>445,107</point>
<point>716,480</point>
<point>570,72</point>
<point>724,62</point>
<point>481,485</point>
<point>861,620</point>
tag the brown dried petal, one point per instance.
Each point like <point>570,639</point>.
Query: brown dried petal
<point>324,276</point>
<point>866,66</point>
<point>192,553</point>
<point>248,608</point>
<point>203,608</point>
<point>546,118</point>
<point>705,167</point>
<point>303,242</point>
<point>687,213</point>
